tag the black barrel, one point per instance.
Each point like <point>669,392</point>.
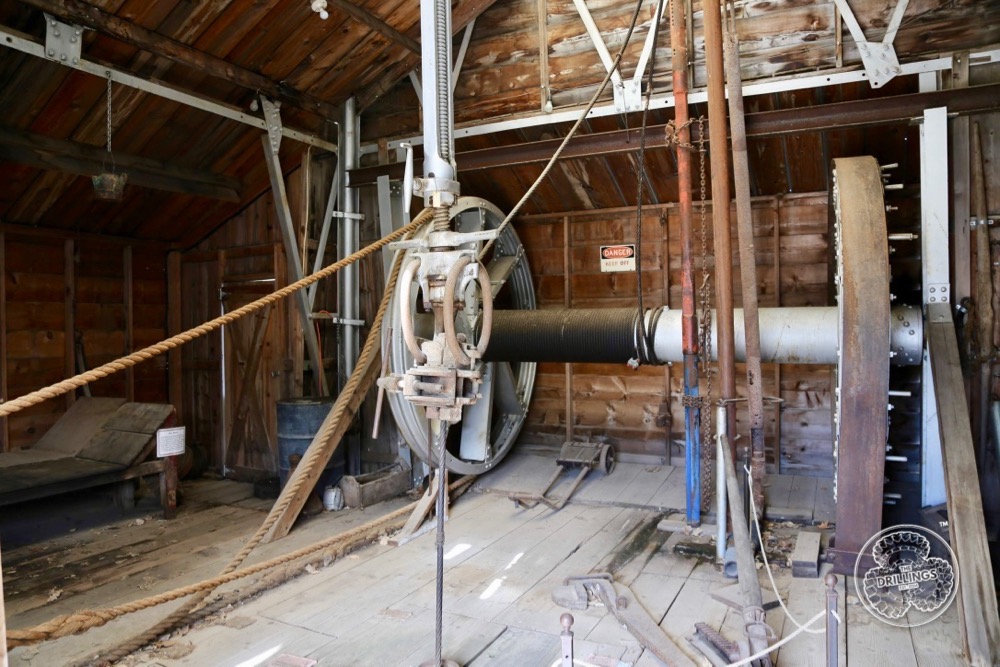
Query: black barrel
<point>298,421</point>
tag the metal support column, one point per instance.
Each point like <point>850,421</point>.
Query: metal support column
<point>934,227</point>
<point>349,294</point>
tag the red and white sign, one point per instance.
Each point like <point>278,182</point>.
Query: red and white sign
<point>617,258</point>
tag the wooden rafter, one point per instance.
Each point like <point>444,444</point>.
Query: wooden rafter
<point>89,16</point>
<point>463,14</point>
<point>37,151</point>
<point>375,23</point>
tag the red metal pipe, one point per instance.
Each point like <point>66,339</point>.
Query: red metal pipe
<point>720,206</point>
<point>678,43</point>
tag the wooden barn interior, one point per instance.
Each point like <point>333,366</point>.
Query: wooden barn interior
<point>345,332</point>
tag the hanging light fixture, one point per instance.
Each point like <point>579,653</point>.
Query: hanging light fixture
<point>109,185</point>
<point>319,6</point>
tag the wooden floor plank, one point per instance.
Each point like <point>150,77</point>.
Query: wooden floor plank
<point>647,482</point>
<point>512,553</point>
<point>521,647</point>
<point>871,641</point>
<point>939,642</point>
<point>526,568</point>
<point>802,494</point>
<point>535,608</point>
<point>825,510</point>
<point>599,488</point>
<point>232,643</point>
<point>463,640</point>
<point>393,575</point>
<point>777,489</point>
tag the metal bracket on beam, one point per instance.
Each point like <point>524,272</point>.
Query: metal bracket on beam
<point>336,319</point>
<point>272,116</point>
<point>349,216</point>
<point>63,41</point>
<point>879,58</point>
<point>627,94</point>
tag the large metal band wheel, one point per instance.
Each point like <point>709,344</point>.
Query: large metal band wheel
<point>488,428</point>
<point>861,398</point>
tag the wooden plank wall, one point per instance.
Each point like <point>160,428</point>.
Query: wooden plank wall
<point>58,291</point>
<point>630,407</point>
<point>248,247</point>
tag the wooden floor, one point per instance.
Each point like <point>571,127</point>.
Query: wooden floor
<point>376,607</point>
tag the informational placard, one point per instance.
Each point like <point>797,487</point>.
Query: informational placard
<point>617,258</point>
<point>169,441</point>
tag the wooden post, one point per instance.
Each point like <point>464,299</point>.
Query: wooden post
<point>977,601</point>
<point>567,302</point>
<point>168,487</point>
<point>129,322</point>
<point>3,618</point>
<point>69,317</point>
<point>4,435</point>
<point>175,376</point>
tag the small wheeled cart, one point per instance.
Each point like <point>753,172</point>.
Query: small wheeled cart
<point>583,455</point>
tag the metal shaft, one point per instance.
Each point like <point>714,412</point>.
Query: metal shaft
<point>720,203</point>
<point>748,265</point>
<point>832,621</point>
<point>442,493</point>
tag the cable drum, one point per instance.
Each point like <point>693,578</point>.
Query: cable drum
<point>590,335</point>
<point>579,336</point>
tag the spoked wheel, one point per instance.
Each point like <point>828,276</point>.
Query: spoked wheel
<point>607,462</point>
<point>488,428</point>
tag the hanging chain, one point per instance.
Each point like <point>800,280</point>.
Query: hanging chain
<point>705,328</point>
<point>109,153</point>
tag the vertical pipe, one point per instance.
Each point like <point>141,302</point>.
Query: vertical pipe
<point>718,143</point>
<point>722,440</point>
<point>349,275</point>
<point>689,323</point>
<point>567,302</point>
<point>832,621</point>
<point>748,265</point>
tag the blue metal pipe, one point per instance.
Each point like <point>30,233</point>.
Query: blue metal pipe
<point>692,441</point>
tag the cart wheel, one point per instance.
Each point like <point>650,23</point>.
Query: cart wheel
<point>607,459</point>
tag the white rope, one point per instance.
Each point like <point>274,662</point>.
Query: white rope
<point>767,566</point>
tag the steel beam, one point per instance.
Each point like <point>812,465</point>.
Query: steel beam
<point>825,79</point>
<point>899,108</point>
<point>24,44</point>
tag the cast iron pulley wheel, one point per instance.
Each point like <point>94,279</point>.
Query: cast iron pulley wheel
<point>488,428</point>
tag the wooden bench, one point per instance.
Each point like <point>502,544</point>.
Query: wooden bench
<point>98,442</point>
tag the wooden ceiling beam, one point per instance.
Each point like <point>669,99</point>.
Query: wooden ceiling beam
<point>375,23</point>
<point>463,13</point>
<point>88,16</point>
<point>84,160</point>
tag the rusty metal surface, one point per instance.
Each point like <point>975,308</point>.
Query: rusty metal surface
<point>864,348</point>
<point>748,266</point>
<point>720,214</point>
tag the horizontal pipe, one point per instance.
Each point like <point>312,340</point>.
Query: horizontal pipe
<point>803,335</point>
<point>787,335</point>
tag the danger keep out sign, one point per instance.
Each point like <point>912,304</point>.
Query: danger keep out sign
<point>617,258</point>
